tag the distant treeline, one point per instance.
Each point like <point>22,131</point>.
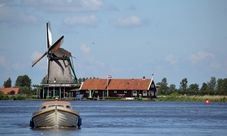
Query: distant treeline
<point>213,87</point>
<point>82,79</point>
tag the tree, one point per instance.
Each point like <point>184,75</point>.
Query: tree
<point>193,89</point>
<point>8,83</point>
<point>163,89</point>
<point>24,90</point>
<point>172,88</point>
<point>183,86</point>
<point>24,83</point>
<point>211,86</point>
<point>222,86</point>
<point>203,89</point>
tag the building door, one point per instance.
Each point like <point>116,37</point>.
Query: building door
<point>105,93</point>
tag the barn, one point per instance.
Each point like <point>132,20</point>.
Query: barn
<point>118,88</point>
<point>11,91</point>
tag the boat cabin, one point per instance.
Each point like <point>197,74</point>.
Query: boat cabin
<point>62,104</point>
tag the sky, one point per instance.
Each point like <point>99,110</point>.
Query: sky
<point>172,39</point>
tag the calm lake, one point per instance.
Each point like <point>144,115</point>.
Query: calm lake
<point>122,118</point>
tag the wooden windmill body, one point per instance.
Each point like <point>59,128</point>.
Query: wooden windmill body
<point>59,70</point>
<point>59,66</point>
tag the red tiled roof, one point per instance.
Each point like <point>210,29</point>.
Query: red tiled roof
<point>9,90</point>
<point>98,84</point>
<point>117,84</point>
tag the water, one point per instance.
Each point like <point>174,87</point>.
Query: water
<point>122,118</point>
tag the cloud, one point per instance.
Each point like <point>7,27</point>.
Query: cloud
<point>8,15</point>
<point>84,48</point>
<point>85,20</point>
<point>170,59</point>
<point>65,5</point>
<point>3,61</point>
<point>110,7</point>
<point>200,56</point>
<point>127,22</point>
<point>28,18</point>
<point>132,8</point>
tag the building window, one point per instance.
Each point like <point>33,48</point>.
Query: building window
<point>125,91</point>
<point>87,91</point>
<point>134,93</point>
<point>144,93</point>
<point>115,91</point>
<point>96,91</point>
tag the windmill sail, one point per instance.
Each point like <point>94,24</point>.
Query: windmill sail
<point>49,35</point>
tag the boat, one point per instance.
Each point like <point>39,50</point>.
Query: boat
<point>55,114</point>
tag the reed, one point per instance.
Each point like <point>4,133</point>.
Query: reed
<point>193,98</point>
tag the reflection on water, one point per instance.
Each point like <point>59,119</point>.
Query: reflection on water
<point>122,118</point>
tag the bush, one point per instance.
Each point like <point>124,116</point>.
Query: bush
<point>174,94</point>
<point>4,97</point>
<point>113,98</point>
<point>13,97</point>
<point>21,97</point>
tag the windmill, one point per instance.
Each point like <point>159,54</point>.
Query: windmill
<point>59,62</point>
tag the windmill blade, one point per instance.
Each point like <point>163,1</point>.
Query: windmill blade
<point>38,59</point>
<point>72,68</point>
<point>48,69</point>
<point>56,45</point>
<point>49,35</point>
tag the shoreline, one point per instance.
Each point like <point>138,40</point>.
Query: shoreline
<point>181,98</point>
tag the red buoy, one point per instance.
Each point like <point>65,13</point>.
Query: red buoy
<point>207,102</point>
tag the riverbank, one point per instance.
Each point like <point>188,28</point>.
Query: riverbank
<point>195,98</point>
<point>167,98</point>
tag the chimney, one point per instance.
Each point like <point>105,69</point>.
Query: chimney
<point>143,78</point>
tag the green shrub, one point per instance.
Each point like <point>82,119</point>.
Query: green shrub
<point>113,98</point>
<point>174,94</point>
<point>21,97</point>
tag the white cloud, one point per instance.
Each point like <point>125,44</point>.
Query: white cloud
<point>128,21</point>
<point>170,59</point>
<point>27,18</point>
<point>84,48</point>
<point>200,56</point>
<point>133,8</point>
<point>6,13</point>
<point>65,5</point>
<point>86,20</point>
<point>3,61</point>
